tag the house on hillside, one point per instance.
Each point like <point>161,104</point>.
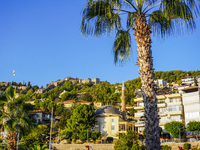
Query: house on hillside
<point>41,117</point>
<point>111,122</point>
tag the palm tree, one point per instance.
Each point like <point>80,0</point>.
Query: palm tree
<point>14,117</point>
<point>39,147</point>
<point>163,17</point>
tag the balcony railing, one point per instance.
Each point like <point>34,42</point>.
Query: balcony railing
<point>174,103</point>
<point>161,104</point>
<point>139,114</point>
<point>140,123</point>
<point>139,107</point>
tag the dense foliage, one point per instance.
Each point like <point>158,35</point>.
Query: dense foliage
<point>194,126</point>
<point>128,141</point>
<point>175,75</point>
<point>173,128</point>
<point>82,118</point>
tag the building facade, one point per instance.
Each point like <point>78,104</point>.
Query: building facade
<point>170,108</point>
<point>191,102</point>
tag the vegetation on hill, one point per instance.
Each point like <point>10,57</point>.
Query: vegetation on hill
<point>175,75</point>
<point>104,91</point>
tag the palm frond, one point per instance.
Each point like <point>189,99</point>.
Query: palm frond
<point>171,18</point>
<point>10,93</point>
<point>122,46</point>
<point>130,19</point>
<point>194,5</point>
<point>159,24</point>
<point>99,18</point>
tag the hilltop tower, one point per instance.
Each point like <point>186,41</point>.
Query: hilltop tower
<point>123,101</point>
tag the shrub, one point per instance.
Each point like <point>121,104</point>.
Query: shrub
<point>95,135</point>
<point>136,146</point>
<point>166,147</point>
<point>83,135</point>
<point>109,139</point>
<point>186,146</point>
<point>195,148</point>
<point>66,134</point>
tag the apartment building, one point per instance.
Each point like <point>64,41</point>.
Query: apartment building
<point>198,80</point>
<point>191,102</point>
<point>189,80</point>
<point>169,108</point>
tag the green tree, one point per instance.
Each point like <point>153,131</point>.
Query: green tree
<point>37,136</point>
<point>86,97</point>
<point>15,117</point>
<point>39,147</point>
<point>83,135</point>
<point>82,118</point>
<point>126,141</point>
<point>63,119</point>
<point>65,134</point>
<point>100,17</point>
<point>173,128</point>
<point>95,135</point>
<point>194,126</point>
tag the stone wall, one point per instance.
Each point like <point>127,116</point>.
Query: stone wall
<point>175,145</point>
<point>82,146</point>
<point>110,146</point>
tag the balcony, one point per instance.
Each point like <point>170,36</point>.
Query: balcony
<point>175,112</point>
<point>139,107</point>
<point>174,103</point>
<point>140,124</point>
<point>162,113</point>
<point>160,105</point>
<point>139,114</point>
<point>140,99</point>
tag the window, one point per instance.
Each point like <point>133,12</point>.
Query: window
<point>113,120</point>
<point>174,108</point>
<point>69,105</point>
<point>141,104</point>
<point>162,109</point>
<point>113,124</point>
<point>102,124</point>
<point>173,100</point>
<point>112,127</point>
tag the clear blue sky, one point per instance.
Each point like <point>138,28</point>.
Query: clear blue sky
<point>42,42</point>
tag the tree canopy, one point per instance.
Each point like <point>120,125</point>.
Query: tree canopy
<point>82,118</point>
<point>173,128</point>
<point>194,126</point>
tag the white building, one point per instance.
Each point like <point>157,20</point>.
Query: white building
<point>198,80</point>
<point>169,106</point>
<point>191,102</point>
<point>160,83</point>
<point>189,80</point>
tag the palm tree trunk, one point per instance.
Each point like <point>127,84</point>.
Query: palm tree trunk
<point>145,63</point>
<point>11,141</point>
